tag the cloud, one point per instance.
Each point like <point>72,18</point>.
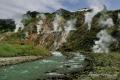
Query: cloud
<point>97,3</point>
<point>74,1</point>
<point>13,8</point>
<point>97,6</point>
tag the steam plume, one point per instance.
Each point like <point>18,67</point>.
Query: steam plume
<point>96,7</point>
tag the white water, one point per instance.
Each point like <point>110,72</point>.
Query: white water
<point>42,69</point>
<point>55,74</point>
<point>57,53</point>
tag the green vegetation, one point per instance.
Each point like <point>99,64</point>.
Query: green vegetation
<point>106,67</point>
<point>106,64</point>
<point>14,45</point>
<point>107,59</point>
<point>11,50</point>
<point>7,25</point>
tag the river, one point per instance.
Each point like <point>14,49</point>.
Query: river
<point>56,65</point>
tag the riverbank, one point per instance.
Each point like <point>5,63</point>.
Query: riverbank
<point>17,53</point>
<point>106,67</point>
<point>14,50</point>
<point>4,61</point>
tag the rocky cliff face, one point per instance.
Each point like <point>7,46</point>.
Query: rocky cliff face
<point>100,38</point>
<point>51,30</point>
<point>70,31</point>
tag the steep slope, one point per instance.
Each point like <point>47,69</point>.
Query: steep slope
<point>68,31</point>
<point>83,39</point>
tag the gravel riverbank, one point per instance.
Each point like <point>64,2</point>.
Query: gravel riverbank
<point>15,60</point>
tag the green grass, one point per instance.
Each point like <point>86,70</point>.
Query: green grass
<point>104,59</point>
<point>106,67</point>
<point>11,50</point>
<point>106,64</point>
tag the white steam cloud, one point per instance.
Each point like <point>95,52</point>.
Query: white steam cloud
<point>69,26</point>
<point>16,8</point>
<point>56,23</point>
<point>108,22</point>
<point>119,15</point>
<point>102,45</point>
<point>18,23</point>
<point>97,6</point>
<point>119,19</point>
<point>40,22</point>
<point>42,16</point>
<point>39,26</point>
<point>105,39</point>
<point>64,29</point>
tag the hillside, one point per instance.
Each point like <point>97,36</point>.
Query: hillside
<point>67,31</point>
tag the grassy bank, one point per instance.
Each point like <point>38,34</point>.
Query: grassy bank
<point>12,50</point>
<point>106,67</point>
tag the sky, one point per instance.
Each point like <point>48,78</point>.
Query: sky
<point>15,8</point>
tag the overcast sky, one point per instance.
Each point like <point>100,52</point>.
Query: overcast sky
<point>15,8</point>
